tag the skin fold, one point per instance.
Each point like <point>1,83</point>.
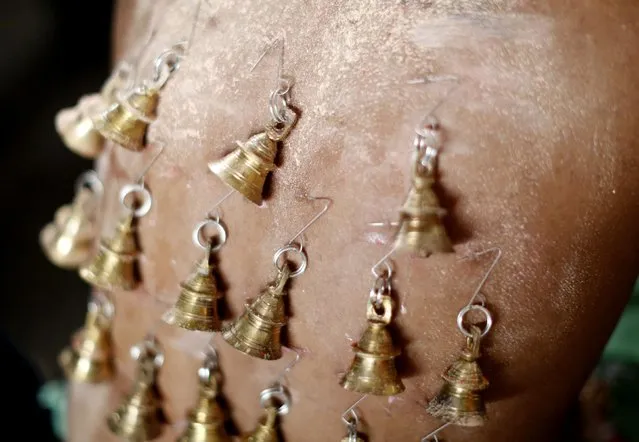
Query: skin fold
<point>539,159</point>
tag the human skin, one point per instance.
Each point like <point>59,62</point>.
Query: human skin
<point>539,159</point>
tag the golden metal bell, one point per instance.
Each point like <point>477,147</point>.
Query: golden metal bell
<point>79,133</point>
<point>258,331</point>
<point>90,356</point>
<point>460,400</point>
<point>125,122</point>
<point>196,307</point>
<point>140,418</point>
<point>206,420</point>
<point>421,231</point>
<point>245,169</point>
<point>68,240</point>
<point>353,438</point>
<point>373,369</point>
<point>115,265</point>
<point>266,430</point>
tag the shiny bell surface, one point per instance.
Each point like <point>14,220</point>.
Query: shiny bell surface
<point>460,400</point>
<point>115,264</point>
<point>258,331</point>
<point>266,430</point>
<point>90,356</point>
<point>140,418</point>
<point>125,122</point>
<point>75,127</point>
<point>245,169</point>
<point>206,420</point>
<point>421,231</point>
<point>196,307</point>
<point>373,369</point>
<point>353,438</point>
<point>68,240</point>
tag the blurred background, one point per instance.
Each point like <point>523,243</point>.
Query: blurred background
<point>54,52</point>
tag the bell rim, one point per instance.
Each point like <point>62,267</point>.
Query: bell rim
<point>397,388</point>
<point>234,341</point>
<point>177,318</point>
<point>235,183</point>
<point>116,137</point>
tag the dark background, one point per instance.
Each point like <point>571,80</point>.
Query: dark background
<point>54,51</point>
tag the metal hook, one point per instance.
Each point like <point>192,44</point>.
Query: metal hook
<point>388,272</point>
<point>327,206</point>
<point>281,377</point>
<point>488,272</point>
<point>352,412</point>
<point>140,180</point>
<point>196,17</point>
<point>215,211</point>
<point>432,437</point>
<point>280,66</point>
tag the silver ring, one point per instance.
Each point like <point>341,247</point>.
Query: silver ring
<point>147,200</point>
<point>169,59</point>
<point>91,181</point>
<point>291,248</point>
<point>470,307</point>
<point>278,393</point>
<point>221,234</point>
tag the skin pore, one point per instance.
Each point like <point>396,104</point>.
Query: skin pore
<point>540,159</point>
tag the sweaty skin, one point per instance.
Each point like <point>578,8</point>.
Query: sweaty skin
<point>540,159</point>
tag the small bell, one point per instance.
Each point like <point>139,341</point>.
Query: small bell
<point>266,431</point>
<point>258,331</point>
<point>196,307</point>
<point>206,420</point>
<point>245,169</point>
<point>90,356</point>
<point>373,369</point>
<point>125,122</point>
<point>353,438</point>
<point>460,400</point>
<point>68,240</point>
<point>115,264</point>
<point>75,125</point>
<point>421,231</point>
<point>140,418</point>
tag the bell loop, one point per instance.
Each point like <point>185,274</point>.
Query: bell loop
<point>276,397</point>
<point>382,287</point>
<point>380,312</point>
<point>280,261</point>
<point>212,243</point>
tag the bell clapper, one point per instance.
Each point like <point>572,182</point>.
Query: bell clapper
<point>420,230</point>
<point>68,241</point>
<point>197,305</point>
<point>373,370</point>
<point>257,332</point>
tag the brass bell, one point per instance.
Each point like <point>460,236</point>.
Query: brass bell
<point>266,430</point>
<point>245,169</point>
<point>141,418</point>
<point>373,369</point>
<point>196,307</point>
<point>68,240</point>
<point>258,331</point>
<point>115,264</point>
<point>90,356</point>
<point>206,420</point>
<point>125,122</point>
<point>421,231</point>
<point>460,400</point>
<point>75,125</point>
